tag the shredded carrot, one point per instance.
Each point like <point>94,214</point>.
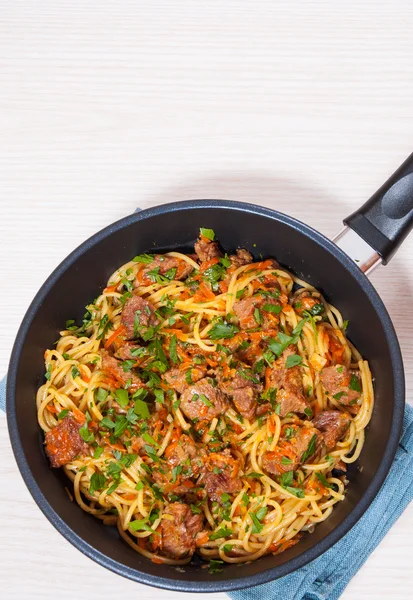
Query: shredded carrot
<point>155,559</point>
<point>52,409</point>
<point>129,496</point>
<point>203,293</point>
<point>174,331</point>
<point>117,447</point>
<point>265,264</point>
<point>111,288</point>
<point>78,415</point>
<point>283,545</point>
<point>223,286</point>
<point>121,330</point>
<point>208,263</point>
<point>212,363</point>
<point>202,538</point>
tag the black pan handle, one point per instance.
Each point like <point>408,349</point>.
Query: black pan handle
<point>387,218</point>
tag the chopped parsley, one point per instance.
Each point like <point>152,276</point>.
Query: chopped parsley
<point>101,394</point>
<point>310,449</point>
<point>208,233</point>
<point>272,308</point>
<point>97,482</point>
<point>144,258</point>
<point>222,330</point>
<point>141,409</point>
<point>322,479</point>
<point>293,360</point>
<point>172,350</point>
<point>355,383</point>
<point>215,565</point>
<point>122,397</point>
<point>220,533</point>
<point>254,475</point>
<point>256,518</point>
<point>257,316</point>
<point>75,372</point>
<point>205,400</point>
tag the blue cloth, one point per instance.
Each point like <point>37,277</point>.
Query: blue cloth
<point>326,577</point>
<point>3,394</point>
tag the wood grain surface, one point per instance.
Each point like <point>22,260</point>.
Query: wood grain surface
<point>305,107</point>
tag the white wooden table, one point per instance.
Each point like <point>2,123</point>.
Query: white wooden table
<point>302,106</point>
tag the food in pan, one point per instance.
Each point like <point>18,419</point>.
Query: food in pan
<point>208,403</point>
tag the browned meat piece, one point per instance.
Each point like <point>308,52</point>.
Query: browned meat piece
<point>114,368</point>
<point>244,310</point>
<point>241,258</point>
<point>333,424</point>
<point>306,300</point>
<point>263,409</point>
<point>63,442</point>
<point>289,384</point>
<point>202,400</point>
<point>252,312</point>
<point>124,351</point>
<point>302,444</point>
<point>276,462</point>
<point>178,528</point>
<point>176,377</point>
<point>244,393</point>
<point>220,475</point>
<point>141,310</point>
<point>245,402</point>
<point>206,249</point>
<point>336,381</point>
<point>163,263</point>
<point>184,453</point>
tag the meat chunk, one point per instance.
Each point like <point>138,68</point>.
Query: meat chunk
<point>289,384</point>
<point>114,368</point>
<point>244,311</point>
<point>338,381</point>
<point>178,528</point>
<point>177,378</point>
<point>220,475</point>
<point>183,453</point>
<point>306,300</point>
<point>244,392</point>
<point>206,249</point>
<point>255,312</point>
<point>63,442</point>
<point>124,352</point>
<point>203,401</point>
<point>163,264</point>
<point>333,424</point>
<point>300,446</point>
<point>137,316</point>
<point>240,258</point>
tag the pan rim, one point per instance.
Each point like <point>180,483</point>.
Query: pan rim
<point>218,584</point>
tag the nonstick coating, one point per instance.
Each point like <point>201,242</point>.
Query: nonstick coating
<point>79,279</point>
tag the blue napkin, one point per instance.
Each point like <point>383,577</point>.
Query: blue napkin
<point>326,577</point>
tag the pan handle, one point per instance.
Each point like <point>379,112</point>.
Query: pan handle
<point>383,221</point>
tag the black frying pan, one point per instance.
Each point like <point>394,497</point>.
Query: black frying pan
<point>382,222</point>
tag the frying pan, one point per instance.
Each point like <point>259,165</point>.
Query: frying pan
<point>371,235</point>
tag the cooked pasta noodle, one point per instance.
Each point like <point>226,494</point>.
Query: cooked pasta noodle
<point>206,405</point>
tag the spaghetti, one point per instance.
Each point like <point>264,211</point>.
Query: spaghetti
<point>208,404</point>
